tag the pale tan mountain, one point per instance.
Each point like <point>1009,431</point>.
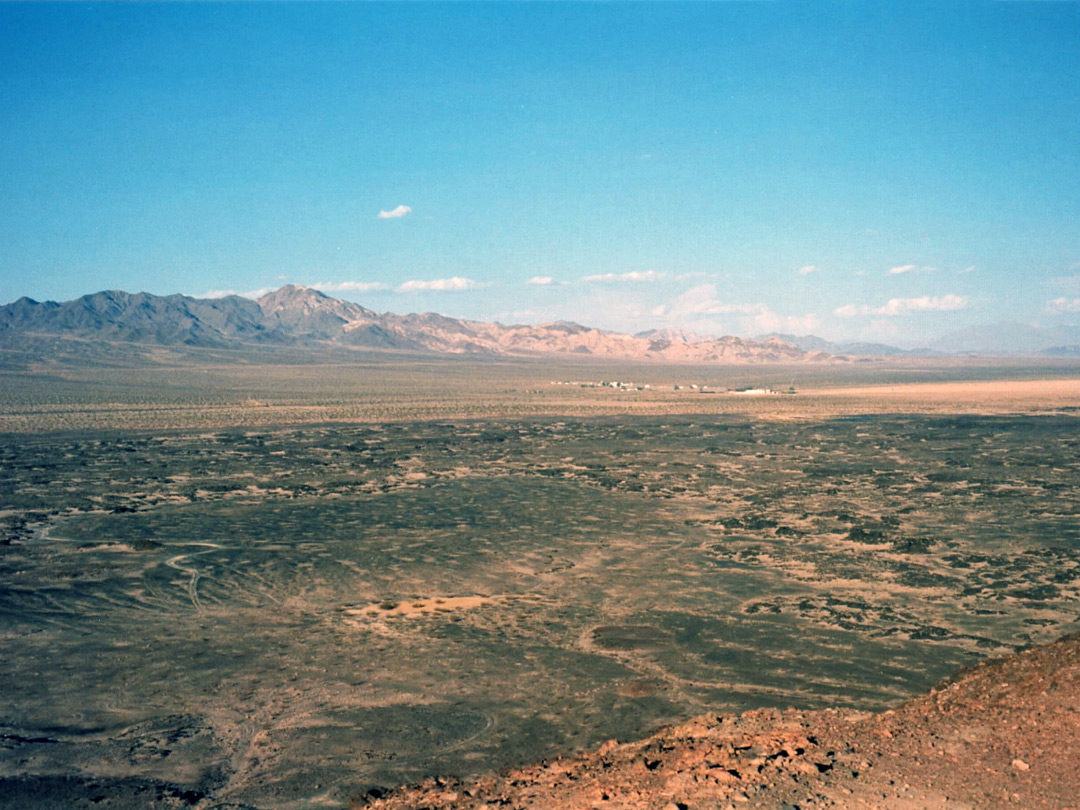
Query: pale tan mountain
<point>312,313</point>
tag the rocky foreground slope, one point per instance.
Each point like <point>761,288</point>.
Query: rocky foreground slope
<point>1005,734</point>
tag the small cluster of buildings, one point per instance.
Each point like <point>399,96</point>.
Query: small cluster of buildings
<point>700,389</point>
<point>622,386</point>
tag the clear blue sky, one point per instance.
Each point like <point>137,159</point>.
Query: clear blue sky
<point>859,170</point>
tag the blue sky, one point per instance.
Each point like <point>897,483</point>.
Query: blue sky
<point>886,171</point>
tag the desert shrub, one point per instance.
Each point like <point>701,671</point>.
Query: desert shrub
<point>757,522</point>
<point>866,534</point>
<point>1036,593</point>
<point>913,545</point>
<point>929,632</point>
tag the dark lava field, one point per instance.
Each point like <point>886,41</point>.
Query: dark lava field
<point>293,617</point>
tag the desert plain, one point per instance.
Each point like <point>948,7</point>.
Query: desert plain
<point>249,582</point>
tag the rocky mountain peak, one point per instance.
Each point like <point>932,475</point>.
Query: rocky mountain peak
<point>293,297</point>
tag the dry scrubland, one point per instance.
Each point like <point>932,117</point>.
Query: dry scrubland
<point>167,389</point>
<point>279,585</point>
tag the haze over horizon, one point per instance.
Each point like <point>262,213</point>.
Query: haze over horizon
<point>885,173</point>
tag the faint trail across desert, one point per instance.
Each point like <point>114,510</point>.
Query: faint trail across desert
<point>193,584</point>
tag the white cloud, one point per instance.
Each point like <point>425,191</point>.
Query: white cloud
<point>259,293</point>
<point>454,284</point>
<point>906,306</point>
<point>924,303</point>
<point>633,275</point>
<point>807,270</point>
<point>349,286</point>
<point>702,300</point>
<point>909,268</point>
<point>1059,306</point>
<point>396,213</point>
<point>966,270</point>
<point>768,321</point>
<point>519,316</point>
<point>699,309</point>
<point>540,280</point>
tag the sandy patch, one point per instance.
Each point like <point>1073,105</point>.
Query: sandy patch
<point>113,547</point>
<point>978,391</point>
<point>426,606</point>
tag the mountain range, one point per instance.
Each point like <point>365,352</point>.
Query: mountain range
<point>998,339</point>
<point>813,343</point>
<point>301,317</point>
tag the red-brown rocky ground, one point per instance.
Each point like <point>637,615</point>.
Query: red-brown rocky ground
<point>1005,734</point>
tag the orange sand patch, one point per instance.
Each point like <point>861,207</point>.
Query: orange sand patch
<point>417,607</point>
<point>982,392</point>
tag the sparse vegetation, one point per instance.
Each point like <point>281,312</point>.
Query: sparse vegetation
<point>540,564</point>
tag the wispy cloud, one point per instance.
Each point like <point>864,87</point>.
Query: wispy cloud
<point>910,268</point>
<point>770,321</point>
<point>807,270</point>
<point>396,213</point>
<point>633,275</point>
<point>454,284</point>
<point>259,293</point>
<point>906,306</point>
<point>540,280</point>
<point>702,300</point>
<point>1059,306</point>
<point>349,286</point>
<point>699,306</point>
<point>966,270</point>
<point>924,303</point>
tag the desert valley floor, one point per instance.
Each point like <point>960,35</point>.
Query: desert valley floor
<point>282,615</point>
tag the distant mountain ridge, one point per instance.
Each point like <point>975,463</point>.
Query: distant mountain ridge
<point>998,339</point>
<point>301,316</point>
<point>815,343</point>
<point>141,317</point>
<point>1012,338</point>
